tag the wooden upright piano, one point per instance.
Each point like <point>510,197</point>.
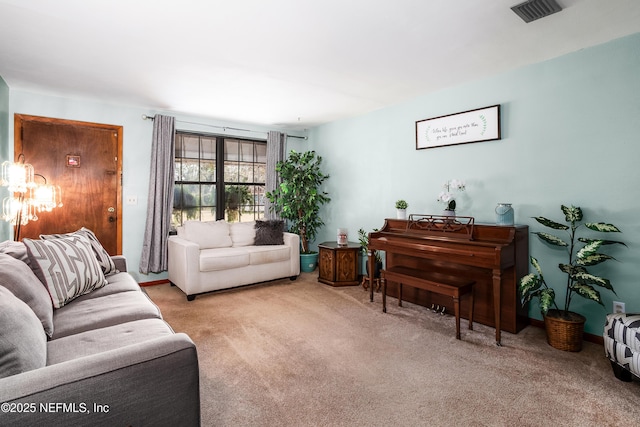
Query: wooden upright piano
<point>496,257</point>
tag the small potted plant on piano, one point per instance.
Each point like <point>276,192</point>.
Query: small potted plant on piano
<point>401,209</point>
<point>564,327</point>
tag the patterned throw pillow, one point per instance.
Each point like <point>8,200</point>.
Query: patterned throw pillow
<point>103,257</point>
<point>269,232</point>
<point>67,267</point>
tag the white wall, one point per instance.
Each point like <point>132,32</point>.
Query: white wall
<point>570,131</point>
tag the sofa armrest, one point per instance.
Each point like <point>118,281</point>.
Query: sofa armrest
<point>183,263</point>
<point>293,240</point>
<point>120,261</point>
<point>155,382</point>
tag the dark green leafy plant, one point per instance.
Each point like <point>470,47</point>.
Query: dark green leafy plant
<point>363,238</point>
<point>298,198</point>
<point>401,204</point>
<point>579,280</point>
<point>235,197</point>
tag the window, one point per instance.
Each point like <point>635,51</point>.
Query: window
<point>218,177</point>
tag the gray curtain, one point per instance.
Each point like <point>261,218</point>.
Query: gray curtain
<point>160,201</point>
<point>276,143</point>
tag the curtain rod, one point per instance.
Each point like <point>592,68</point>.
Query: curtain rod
<point>225,128</point>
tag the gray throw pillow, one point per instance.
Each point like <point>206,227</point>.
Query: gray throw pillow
<point>17,277</point>
<point>67,266</point>
<point>23,344</point>
<point>269,232</point>
<point>103,257</point>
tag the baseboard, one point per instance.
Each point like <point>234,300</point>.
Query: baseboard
<point>596,339</point>
<point>154,282</point>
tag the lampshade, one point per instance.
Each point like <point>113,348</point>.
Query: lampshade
<point>46,197</point>
<point>18,177</point>
<point>26,198</point>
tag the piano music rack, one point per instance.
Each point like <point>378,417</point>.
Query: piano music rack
<point>460,227</point>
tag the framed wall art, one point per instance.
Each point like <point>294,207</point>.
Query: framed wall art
<point>482,124</point>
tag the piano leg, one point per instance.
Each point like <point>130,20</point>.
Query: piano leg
<point>497,280</point>
<point>371,265</point>
<point>384,294</point>
<point>399,294</point>
<point>471,301</point>
<point>456,311</point>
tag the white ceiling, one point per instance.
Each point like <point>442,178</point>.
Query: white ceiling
<point>287,63</point>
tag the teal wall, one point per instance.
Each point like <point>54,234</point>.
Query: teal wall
<point>570,131</point>
<point>136,152</point>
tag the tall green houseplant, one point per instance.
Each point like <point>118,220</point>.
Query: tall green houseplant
<point>298,198</point>
<point>564,327</point>
<point>579,280</point>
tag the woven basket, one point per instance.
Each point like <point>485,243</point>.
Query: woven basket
<point>564,332</point>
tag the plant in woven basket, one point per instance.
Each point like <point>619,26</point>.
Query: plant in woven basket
<point>582,252</point>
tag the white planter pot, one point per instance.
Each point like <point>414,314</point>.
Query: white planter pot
<point>401,213</point>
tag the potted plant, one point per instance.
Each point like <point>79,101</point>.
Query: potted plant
<point>363,238</point>
<point>401,209</point>
<point>298,200</point>
<point>564,327</point>
<point>447,196</point>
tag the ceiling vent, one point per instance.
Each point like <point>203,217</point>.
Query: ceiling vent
<point>536,9</point>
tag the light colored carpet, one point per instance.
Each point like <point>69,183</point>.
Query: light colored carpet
<point>303,353</point>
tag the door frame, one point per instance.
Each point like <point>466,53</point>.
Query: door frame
<point>19,119</point>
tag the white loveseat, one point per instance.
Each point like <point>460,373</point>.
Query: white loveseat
<point>212,255</point>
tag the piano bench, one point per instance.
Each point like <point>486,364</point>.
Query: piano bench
<point>430,281</point>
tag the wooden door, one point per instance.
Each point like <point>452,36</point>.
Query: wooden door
<point>85,160</point>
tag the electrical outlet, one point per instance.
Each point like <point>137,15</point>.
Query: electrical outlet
<point>132,200</point>
<point>618,307</point>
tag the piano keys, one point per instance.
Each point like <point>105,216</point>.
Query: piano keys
<point>496,257</point>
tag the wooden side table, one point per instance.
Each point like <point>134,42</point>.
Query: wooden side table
<point>338,264</point>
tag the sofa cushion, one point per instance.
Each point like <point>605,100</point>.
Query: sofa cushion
<point>67,266</point>
<point>17,277</point>
<point>103,257</point>
<point>16,249</point>
<point>268,254</point>
<point>119,282</point>
<point>23,343</point>
<point>269,232</point>
<point>93,313</point>
<point>207,234</point>
<point>242,233</point>
<point>223,258</point>
<point>105,339</point>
